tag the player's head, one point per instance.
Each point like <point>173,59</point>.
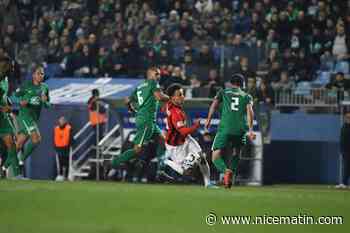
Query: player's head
<point>237,80</point>
<point>62,121</point>
<point>176,94</point>
<point>95,92</point>
<point>153,73</point>
<point>38,74</point>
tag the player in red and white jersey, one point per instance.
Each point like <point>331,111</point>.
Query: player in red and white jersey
<point>183,152</point>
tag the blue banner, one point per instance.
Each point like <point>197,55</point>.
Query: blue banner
<point>77,91</point>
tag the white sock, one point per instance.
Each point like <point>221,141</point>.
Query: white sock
<point>205,170</point>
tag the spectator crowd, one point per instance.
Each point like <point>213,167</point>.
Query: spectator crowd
<point>198,43</point>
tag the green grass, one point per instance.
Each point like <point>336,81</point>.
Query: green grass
<point>89,207</point>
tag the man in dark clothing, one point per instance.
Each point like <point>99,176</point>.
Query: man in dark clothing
<point>345,150</point>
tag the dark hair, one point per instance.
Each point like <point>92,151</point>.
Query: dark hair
<point>340,73</point>
<point>237,79</point>
<point>172,89</point>
<point>95,92</point>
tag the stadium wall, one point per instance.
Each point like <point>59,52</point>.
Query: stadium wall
<point>304,149</point>
<point>42,165</point>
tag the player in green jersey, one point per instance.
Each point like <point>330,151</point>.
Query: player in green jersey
<point>7,127</point>
<point>236,110</point>
<point>33,95</point>
<point>144,100</point>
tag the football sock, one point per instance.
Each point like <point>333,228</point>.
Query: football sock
<point>234,163</point>
<point>220,165</point>
<point>10,158</point>
<point>205,170</point>
<point>14,161</point>
<point>28,149</point>
<point>160,150</point>
<point>126,156</point>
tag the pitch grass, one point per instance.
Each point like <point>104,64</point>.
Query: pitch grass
<point>89,207</point>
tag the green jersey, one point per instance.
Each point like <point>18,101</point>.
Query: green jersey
<point>144,101</point>
<point>33,93</point>
<point>233,105</point>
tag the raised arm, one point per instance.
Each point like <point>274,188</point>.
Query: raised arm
<point>250,118</point>
<point>160,96</point>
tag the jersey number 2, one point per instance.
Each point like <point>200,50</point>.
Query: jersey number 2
<point>235,104</point>
<point>139,97</point>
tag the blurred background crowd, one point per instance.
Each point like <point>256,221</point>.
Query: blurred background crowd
<point>276,44</point>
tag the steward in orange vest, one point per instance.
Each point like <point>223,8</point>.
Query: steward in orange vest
<point>62,142</point>
<point>62,136</point>
<point>97,114</point>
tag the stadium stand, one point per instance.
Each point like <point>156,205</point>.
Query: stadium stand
<point>95,38</point>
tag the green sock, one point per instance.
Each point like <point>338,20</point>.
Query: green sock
<point>7,162</point>
<point>234,163</point>
<point>126,156</point>
<point>160,150</point>
<point>9,158</point>
<point>12,161</point>
<point>220,165</point>
<point>29,148</point>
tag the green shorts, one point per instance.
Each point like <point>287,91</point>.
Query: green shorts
<point>224,140</point>
<point>7,126</point>
<point>145,132</point>
<point>27,125</point>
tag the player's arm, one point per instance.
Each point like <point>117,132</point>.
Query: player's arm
<point>184,131</point>
<point>45,98</point>
<point>178,121</point>
<point>250,118</point>
<point>214,105</point>
<point>6,106</point>
<point>20,97</point>
<point>160,96</point>
<point>128,101</point>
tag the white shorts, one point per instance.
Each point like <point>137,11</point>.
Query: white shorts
<point>183,157</point>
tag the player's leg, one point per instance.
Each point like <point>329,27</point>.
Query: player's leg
<point>30,146</point>
<point>6,134</point>
<point>143,135</point>
<point>174,158</point>
<point>27,128</point>
<point>194,148</point>
<point>3,153</point>
<point>12,160</point>
<point>238,141</point>
<point>220,143</point>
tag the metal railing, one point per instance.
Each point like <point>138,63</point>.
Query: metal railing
<point>313,97</point>
<point>74,163</point>
<point>81,156</point>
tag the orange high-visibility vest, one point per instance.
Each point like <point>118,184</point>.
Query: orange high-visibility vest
<point>97,118</point>
<point>62,136</point>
